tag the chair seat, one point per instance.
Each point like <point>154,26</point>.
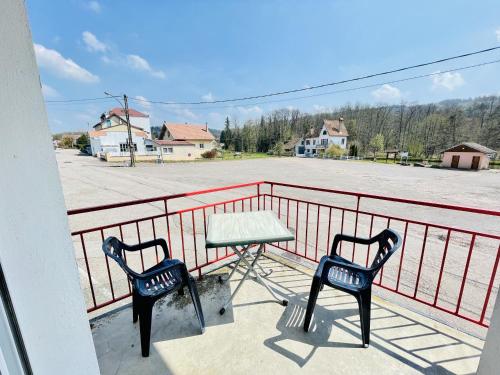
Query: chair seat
<point>344,277</point>
<point>163,281</point>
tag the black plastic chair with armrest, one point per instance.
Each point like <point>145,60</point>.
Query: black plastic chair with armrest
<point>166,277</point>
<point>339,273</point>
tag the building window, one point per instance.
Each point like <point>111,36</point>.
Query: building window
<point>168,150</point>
<point>324,141</point>
<point>308,142</point>
<point>314,150</point>
<point>302,142</point>
<point>314,141</point>
<point>124,147</point>
<point>150,148</point>
<point>202,145</point>
<point>342,141</point>
<point>324,132</point>
<point>308,150</point>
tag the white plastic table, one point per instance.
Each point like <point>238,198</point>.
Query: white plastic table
<point>244,230</point>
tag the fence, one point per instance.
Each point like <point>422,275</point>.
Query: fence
<point>449,263</point>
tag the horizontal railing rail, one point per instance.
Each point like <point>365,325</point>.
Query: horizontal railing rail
<point>449,267</point>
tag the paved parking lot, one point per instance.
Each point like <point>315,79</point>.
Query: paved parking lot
<point>88,181</point>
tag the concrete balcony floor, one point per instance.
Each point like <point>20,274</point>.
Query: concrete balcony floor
<point>257,335</point>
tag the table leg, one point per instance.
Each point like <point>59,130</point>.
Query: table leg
<point>221,279</point>
<point>250,268</point>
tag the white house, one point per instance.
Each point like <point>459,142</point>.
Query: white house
<point>109,139</point>
<point>333,132</point>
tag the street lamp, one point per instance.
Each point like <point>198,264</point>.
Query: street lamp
<point>125,108</point>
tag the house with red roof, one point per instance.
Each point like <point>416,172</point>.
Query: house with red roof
<point>184,141</point>
<point>109,139</point>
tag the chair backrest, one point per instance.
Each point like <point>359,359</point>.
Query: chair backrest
<point>388,242</point>
<point>114,249</point>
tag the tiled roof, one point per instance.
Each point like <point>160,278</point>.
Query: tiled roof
<point>471,145</point>
<point>183,132</point>
<point>131,112</point>
<point>172,143</point>
<point>336,128</point>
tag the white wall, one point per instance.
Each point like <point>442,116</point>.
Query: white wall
<point>36,251</point>
<point>490,360</point>
<point>465,161</point>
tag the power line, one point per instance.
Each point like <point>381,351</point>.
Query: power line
<point>330,83</point>
<point>293,90</point>
<point>343,90</point>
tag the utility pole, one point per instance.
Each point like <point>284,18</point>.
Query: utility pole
<point>130,143</point>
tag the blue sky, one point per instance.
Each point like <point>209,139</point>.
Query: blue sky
<point>206,50</point>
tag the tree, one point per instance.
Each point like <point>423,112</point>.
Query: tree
<point>279,148</point>
<point>335,150</point>
<point>377,144</point>
<point>228,137</point>
<point>66,142</point>
<point>82,141</point>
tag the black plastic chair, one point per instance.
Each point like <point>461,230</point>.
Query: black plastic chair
<point>339,273</point>
<point>166,277</point>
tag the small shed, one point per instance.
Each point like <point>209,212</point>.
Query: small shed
<point>467,155</point>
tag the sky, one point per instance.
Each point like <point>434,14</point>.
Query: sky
<point>178,51</point>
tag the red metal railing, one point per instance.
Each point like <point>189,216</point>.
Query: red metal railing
<point>449,263</point>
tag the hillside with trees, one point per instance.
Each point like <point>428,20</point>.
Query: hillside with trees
<point>424,130</point>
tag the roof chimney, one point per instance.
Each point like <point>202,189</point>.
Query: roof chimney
<point>206,126</point>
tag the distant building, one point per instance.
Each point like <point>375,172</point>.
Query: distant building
<point>333,132</point>
<point>184,141</point>
<point>468,155</point>
<point>109,139</point>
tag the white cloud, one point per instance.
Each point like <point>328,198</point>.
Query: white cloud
<point>321,108</point>
<point>93,44</point>
<point>94,6</point>
<point>179,111</point>
<point>143,102</point>
<point>49,92</point>
<point>139,63</point>
<point>448,80</point>
<point>208,97</point>
<point>497,32</point>
<point>250,110</point>
<point>62,67</point>
<point>386,93</point>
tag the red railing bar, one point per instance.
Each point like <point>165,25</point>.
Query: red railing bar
<point>194,242</point>
<point>139,239</point>
<point>441,269</point>
<point>154,237</point>
<point>341,231</point>
<point>225,212</point>
<point>258,197</point>
<point>287,218</point>
<point>423,223</point>
<point>382,270</point>
<point>466,270</point>
<point>422,253</point>
<point>296,227</point>
<point>369,236</point>
<point>109,271</point>
<point>182,238</point>
<point>88,268</point>
<point>307,228</point>
<point>402,255</point>
<point>317,234</point>
<point>158,199</point>
<point>205,231</point>
<point>355,228</point>
<point>390,199</point>
<point>490,286</point>
<point>272,188</point>
<point>125,256</point>
<point>216,249</point>
<point>107,303</point>
<point>329,231</point>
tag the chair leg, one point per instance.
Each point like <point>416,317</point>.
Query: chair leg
<point>180,292</point>
<point>364,302</point>
<point>311,304</point>
<point>197,304</point>
<point>135,309</point>
<point>145,314</point>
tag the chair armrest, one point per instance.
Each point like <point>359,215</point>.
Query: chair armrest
<point>145,245</point>
<point>343,237</point>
